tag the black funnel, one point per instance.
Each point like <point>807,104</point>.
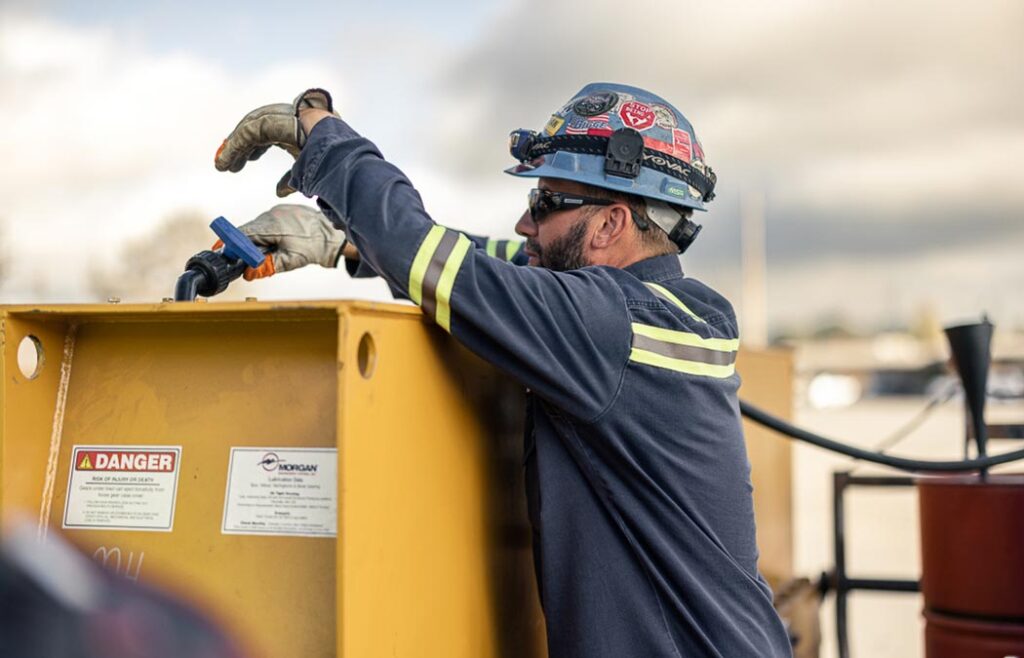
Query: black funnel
<point>971,347</point>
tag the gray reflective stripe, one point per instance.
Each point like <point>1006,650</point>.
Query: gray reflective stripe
<point>434,270</point>
<point>686,352</point>
<point>666,294</point>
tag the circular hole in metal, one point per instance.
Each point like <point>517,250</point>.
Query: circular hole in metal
<point>366,356</point>
<point>30,357</point>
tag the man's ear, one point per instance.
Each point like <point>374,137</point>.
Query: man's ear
<point>612,225</point>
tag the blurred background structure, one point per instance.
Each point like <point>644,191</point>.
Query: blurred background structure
<point>868,153</point>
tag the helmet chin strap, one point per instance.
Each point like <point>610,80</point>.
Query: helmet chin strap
<point>680,229</point>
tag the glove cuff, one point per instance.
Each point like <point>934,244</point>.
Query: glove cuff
<point>315,98</point>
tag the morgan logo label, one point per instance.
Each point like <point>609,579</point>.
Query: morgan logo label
<point>636,115</point>
<point>282,491</point>
<point>271,462</point>
<point>125,461</point>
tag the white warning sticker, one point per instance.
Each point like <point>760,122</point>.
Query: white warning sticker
<point>282,491</point>
<point>122,487</point>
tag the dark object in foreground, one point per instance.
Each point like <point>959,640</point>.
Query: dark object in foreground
<point>56,603</point>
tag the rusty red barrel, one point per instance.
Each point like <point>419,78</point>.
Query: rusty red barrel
<point>958,637</point>
<point>972,565</point>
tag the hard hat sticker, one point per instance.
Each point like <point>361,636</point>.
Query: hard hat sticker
<point>282,491</point>
<point>595,104</point>
<point>122,488</point>
<point>636,115</point>
<point>553,124</point>
<point>580,125</point>
<point>682,145</point>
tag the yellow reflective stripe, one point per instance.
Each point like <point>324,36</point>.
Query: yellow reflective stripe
<point>492,248</point>
<point>512,248</point>
<point>447,281</point>
<point>687,338</point>
<point>667,294</point>
<point>681,365</point>
<point>422,261</point>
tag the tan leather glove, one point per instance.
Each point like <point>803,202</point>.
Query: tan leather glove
<point>271,125</point>
<point>294,236</point>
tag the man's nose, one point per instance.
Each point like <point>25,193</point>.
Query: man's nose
<point>526,227</point>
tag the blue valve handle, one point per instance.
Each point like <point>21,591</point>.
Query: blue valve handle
<point>236,244</point>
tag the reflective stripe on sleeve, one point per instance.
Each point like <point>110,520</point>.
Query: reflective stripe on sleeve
<point>503,249</point>
<point>433,272</point>
<point>666,294</point>
<point>683,351</point>
<point>447,282</point>
<point>421,261</point>
<point>511,248</point>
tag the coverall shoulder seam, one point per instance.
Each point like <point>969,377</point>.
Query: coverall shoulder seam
<point>625,362</point>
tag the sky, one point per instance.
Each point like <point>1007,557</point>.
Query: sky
<point>886,139</point>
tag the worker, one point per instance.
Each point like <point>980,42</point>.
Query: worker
<point>638,481</point>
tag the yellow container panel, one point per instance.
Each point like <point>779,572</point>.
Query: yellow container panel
<point>432,547</point>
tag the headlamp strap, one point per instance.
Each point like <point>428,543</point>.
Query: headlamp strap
<point>624,154</point>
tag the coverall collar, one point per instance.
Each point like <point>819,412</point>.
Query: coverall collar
<point>657,268</point>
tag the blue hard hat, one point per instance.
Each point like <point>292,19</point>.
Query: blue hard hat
<point>619,138</point>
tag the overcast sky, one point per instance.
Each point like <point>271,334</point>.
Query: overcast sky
<point>887,138</point>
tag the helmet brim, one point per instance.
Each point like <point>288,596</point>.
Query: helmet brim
<point>589,170</point>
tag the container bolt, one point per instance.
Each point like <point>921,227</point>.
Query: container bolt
<point>167,299</point>
<point>113,300</point>
<point>250,299</point>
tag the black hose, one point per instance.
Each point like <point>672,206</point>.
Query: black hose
<point>771,422</point>
<point>187,287</point>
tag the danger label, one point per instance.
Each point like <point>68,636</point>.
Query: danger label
<point>122,487</point>
<point>133,462</point>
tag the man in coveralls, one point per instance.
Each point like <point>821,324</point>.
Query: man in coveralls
<point>638,481</point>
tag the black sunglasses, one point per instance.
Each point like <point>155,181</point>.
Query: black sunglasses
<point>544,202</point>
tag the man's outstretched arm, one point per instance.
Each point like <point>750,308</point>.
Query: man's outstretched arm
<point>564,334</point>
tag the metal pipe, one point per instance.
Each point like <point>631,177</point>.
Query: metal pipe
<point>883,585</point>
<point>840,480</point>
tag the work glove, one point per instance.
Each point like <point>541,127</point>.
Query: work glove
<point>271,125</point>
<point>293,236</point>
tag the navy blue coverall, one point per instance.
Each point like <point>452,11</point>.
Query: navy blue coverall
<point>638,482</point>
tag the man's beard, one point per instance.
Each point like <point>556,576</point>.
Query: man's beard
<point>565,253</point>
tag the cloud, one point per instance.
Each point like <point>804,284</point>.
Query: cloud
<point>917,104</point>
<point>879,133</point>
<point>883,133</point>
<point>103,140</point>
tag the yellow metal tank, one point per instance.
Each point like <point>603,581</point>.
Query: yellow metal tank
<point>322,478</point>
